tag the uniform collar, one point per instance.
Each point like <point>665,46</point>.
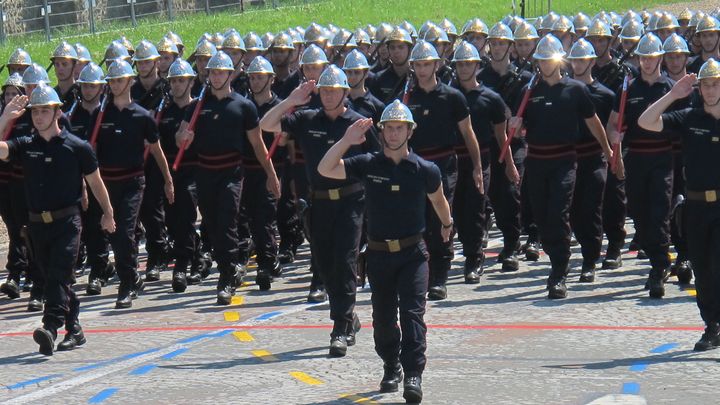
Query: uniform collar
<point>347,115</point>
<point>410,161</point>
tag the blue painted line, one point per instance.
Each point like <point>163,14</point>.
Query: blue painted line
<point>638,367</point>
<point>115,360</point>
<point>34,381</point>
<point>174,354</point>
<point>664,348</point>
<point>143,369</point>
<point>102,395</point>
<point>195,338</point>
<point>631,388</point>
<point>222,333</point>
<point>265,317</point>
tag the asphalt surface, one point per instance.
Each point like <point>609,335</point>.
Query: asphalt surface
<point>498,342</point>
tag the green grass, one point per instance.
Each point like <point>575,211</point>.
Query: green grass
<point>344,13</point>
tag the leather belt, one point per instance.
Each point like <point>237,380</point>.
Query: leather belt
<point>708,196</point>
<point>337,193</point>
<point>394,245</point>
<point>48,217</point>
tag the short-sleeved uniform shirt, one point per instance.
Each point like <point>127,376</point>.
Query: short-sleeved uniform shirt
<point>640,95</point>
<point>249,159</point>
<point>395,194</point>
<point>509,86</point>
<point>222,125</point>
<point>24,126</point>
<point>387,85</point>
<point>80,123</point>
<point>315,134</point>
<point>170,120</point>
<point>554,113</point>
<point>53,169</point>
<point>603,99</point>
<point>700,134</point>
<point>368,106</point>
<point>436,113</point>
<point>121,140</point>
<point>487,109</point>
<point>148,99</point>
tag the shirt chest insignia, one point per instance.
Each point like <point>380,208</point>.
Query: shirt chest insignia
<point>426,112</point>
<point>378,179</point>
<point>48,160</point>
<point>395,187</point>
<point>700,131</point>
<point>635,100</point>
<point>317,134</point>
<point>216,116</point>
<point>35,155</point>
<point>548,104</point>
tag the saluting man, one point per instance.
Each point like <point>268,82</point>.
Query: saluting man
<point>55,163</point>
<point>398,184</point>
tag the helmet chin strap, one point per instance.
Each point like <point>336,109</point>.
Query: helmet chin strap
<point>93,98</point>
<point>150,71</point>
<point>360,81</point>
<point>676,73</point>
<point>52,122</point>
<point>507,51</point>
<point>385,144</point>
<point>557,68</point>
<point>470,76</point>
<point>586,70</point>
<point>267,83</point>
<point>341,101</point>
<point>69,75</point>
<point>223,85</point>
<point>705,102</point>
<point>717,42</point>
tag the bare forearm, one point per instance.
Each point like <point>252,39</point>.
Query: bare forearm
<point>100,192</point>
<point>651,119</point>
<point>271,121</point>
<point>441,207</point>
<point>598,132</point>
<point>159,156</point>
<point>261,154</point>
<point>331,164</point>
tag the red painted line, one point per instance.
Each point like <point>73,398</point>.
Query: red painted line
<point>433,326</point>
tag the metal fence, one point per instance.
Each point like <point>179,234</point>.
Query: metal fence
<point>531,8</point>
<point>49,17</point>
<point>19,17</point>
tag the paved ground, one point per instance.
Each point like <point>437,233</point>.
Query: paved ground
<point>498,342</point>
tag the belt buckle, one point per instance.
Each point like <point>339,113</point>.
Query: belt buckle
<point>334,194</point>
<point>46,217</point>
<point>393,245</point>
<point>710,196</point>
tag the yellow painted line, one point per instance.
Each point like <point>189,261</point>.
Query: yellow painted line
<point>264,354</point>
<point>300,376</point>
<point>691,292</point>
<point>237,300</point>
<point>252,266</point>
<point>246,284</point>
<point>357,399</point>
<point>243,336</point>
<point>232,316</point>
